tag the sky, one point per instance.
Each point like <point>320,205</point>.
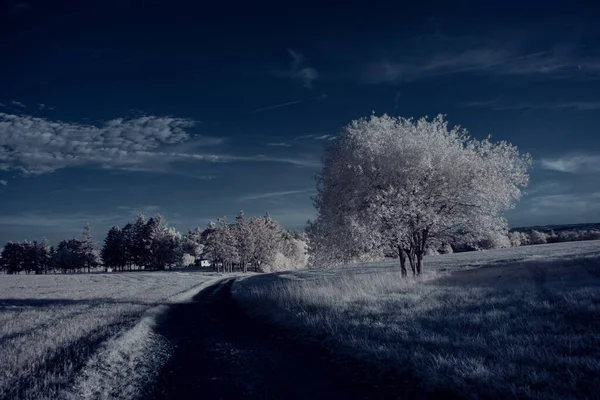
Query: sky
<point>197,111</point>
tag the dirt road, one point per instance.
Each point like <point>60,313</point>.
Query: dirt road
<point>221,353</point>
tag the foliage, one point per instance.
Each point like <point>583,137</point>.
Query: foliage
<point>406,183</point>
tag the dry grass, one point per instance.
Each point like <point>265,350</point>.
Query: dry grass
<point>51,326</point>
<point>526,329</point>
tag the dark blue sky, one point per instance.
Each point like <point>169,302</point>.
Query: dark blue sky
<point>196,111</point>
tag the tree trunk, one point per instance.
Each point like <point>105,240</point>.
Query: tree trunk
<point>411,259</point>
<point>419,262</point>
<point>402,257</point>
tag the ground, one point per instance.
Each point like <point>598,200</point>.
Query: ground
<point>520,323</point>
<point>514,323</point>
<point>79,335</point>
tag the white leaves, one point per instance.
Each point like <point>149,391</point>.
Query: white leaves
<point>409,181</point>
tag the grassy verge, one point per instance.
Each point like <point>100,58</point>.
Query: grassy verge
<point>523,330</point>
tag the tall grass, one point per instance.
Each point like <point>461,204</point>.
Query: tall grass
<point>524,330</point>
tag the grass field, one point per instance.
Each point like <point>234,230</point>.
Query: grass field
<point>85,335</point>
<point>512,323</point>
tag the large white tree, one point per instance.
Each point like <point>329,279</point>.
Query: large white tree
<point>403,183</point>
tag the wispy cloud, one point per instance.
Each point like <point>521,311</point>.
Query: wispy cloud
<point>574,163</point>
<point>3,182</point>
<point>545,187</point>
<point>270,195</point>
<point>35,145</point>
<point>498,105</point>
<point>301,70</point>
<point>481,60</point>
<point>144,209</point>
<point>69,222</point>
<point>316,137</point>
<point>279,144</point>
<point>17,103</point>
<point>572,203</point>
<point>320,97</point>
<point>325,137</point>
<point>289,103</point>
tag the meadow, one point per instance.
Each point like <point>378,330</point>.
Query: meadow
<point>85,335</point>
<point>507,323</point>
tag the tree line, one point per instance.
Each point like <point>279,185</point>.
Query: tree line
<point>258,243</point>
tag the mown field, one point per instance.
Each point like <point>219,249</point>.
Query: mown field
<point>85,335</point>
<point>507,323</point>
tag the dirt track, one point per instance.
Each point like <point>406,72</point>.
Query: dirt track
<point>221,353</point>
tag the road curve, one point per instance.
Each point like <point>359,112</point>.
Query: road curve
<point>221,353</point>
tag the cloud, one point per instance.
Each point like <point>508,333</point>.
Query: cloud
<point>152,144</point>
<point>279,144</point>
<point>320,97</point>
<point>325,137</point>
<point>572,203</point>
<point>497,105</point>
<point>73,222</point>
<point>144,209</point>
<point>289,103</point>
<point>17,103</point>
<point>3,182</point>
<point>300,69</point>
<point>481,60</point>
<point>575,163</point>
<point>270,195</point>
<point>316,137</point>
<point>542,187</point>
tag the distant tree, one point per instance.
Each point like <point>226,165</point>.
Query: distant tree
<point>428,182</point>
<point>192,246</point>
<point>68,256</point>
<point>89,254</point>
<point>114,251</point>
<point>130,246</point>
<point>222,245</point>
<point>537,237</point>
<point>140,241</point>
<point>268,238</point>
<point>245,240</point>
<point>13,258</point>
<point>163,244</point>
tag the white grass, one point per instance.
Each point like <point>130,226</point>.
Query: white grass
<point>85,335</point>
<point>527,325</point>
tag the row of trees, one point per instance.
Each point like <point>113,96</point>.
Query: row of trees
<point>40,258</point>
<point>401,186</point>
<point>259,243</point>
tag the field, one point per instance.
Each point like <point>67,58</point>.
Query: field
<point>85,335</point>
<point>508,323</point>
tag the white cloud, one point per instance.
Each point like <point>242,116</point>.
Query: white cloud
<point>576,163</point>
<point>497,105</point>
<point>269,195</point>
<point>571,203</point>
<point>279,144</point>
<point>316,137</point>
<point>300,69</point>
<point>3,182</point>
<point>325,137</point>
<point>17,103</point>
<point>37,145</point>
<point>484,60</point>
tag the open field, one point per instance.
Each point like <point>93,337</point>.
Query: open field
<point>526,324</point>
<point>81,336</point>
